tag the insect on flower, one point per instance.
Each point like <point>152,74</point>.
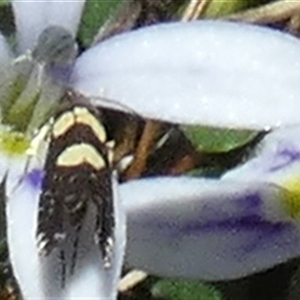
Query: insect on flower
<point>78,168</point>
<point>188,227</point>
<point>77,188</point>
<point>76,216</point>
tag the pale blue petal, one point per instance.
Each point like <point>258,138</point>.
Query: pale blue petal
<point>21,214</point>
<point>32,17</point>
<point>226,228</point>
<point>38,276</point>
<point>205,72</point>
<point>207,229</point>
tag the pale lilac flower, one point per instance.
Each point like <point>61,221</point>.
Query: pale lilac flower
<point>23,175</point>
<point>219,74</point>
<point>212,73</point>
<point>218,229</point>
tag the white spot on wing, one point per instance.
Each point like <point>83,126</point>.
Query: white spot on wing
<point>63,124</point>
<point>59,236</point>
<point>83,116</point>
<point>81,153</point>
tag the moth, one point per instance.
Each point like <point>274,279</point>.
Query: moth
<point>76,205</point>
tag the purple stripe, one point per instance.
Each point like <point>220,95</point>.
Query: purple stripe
<point>250,204</point>
<point>286,157</point>
<point>34,177</point>
<point>250,233</point>
<point>245,223</point>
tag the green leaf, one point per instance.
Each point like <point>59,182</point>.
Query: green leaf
<point>217,8</point>
<point>184,290</point>
<point>216,139</point>
<point>95,14</point>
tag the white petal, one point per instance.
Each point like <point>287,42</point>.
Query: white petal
<point>37,275</point>
<point>32,17</point>
<point>206,72</point>
<point>21,212</point>
<point>207,229</point>
<point>5,53</point>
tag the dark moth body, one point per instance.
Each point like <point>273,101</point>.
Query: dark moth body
<point>76,203</point>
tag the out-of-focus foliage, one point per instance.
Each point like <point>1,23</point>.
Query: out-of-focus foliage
<point>95,14</point>
<point>216,140</point>
<point>217,8</point>
<point>184,290</point>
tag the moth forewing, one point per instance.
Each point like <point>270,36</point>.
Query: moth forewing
<point>76,209</point>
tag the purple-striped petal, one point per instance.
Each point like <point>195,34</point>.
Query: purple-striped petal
<point>32,17</point>
<point>276,160</point>
<point>223,228</point>
<point>207,229</point>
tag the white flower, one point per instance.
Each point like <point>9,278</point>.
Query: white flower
<point>218,229</point>
<point>207,72</point>
<point>38,275</point>
<point>219,74</point>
